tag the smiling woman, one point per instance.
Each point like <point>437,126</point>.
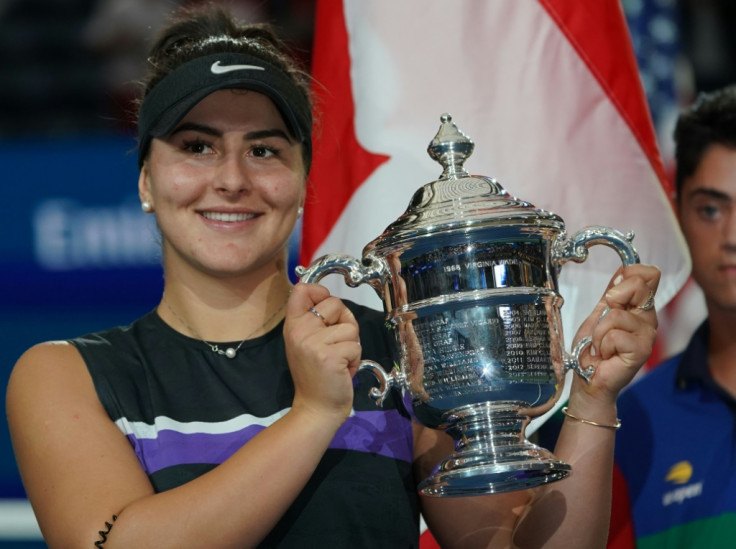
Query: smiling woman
<point>232,415</point>
<point>226,183</point>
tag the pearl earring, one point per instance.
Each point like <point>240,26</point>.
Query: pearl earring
<point>146,207</point>
<point>299,212</point>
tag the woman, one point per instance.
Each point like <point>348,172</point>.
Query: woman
<point>227,417</point>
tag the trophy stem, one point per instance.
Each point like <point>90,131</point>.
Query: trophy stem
<point>491,454</point>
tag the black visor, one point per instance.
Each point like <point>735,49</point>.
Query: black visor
<point>172,98</point>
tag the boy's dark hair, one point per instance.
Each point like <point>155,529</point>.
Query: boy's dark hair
<point>711,119</point>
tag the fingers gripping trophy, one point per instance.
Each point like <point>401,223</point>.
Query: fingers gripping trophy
<point>468,278</point>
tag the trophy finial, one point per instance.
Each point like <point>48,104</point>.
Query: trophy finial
<point>451,147</point>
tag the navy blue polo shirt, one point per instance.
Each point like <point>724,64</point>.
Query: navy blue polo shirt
<point>677,454</point>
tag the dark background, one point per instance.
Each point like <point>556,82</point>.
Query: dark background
<point>76,253</point>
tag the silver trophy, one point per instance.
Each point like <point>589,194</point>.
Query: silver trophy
<point>468,278</point>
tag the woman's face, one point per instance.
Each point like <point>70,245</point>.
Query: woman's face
<point>226,185</point>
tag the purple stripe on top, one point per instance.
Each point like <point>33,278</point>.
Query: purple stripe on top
<point>386,433</point>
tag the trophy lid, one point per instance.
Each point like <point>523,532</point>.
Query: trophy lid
<point>458,201</point>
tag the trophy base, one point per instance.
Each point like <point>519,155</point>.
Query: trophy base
<point>478,473</point>
<point>491,453</point>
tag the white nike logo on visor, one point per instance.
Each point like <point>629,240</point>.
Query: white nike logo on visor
<point>216,68</point>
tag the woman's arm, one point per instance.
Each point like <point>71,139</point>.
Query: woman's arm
<point>79,470</point>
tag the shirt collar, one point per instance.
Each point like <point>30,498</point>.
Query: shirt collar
<point>695,369</point>
<point>694,363</point>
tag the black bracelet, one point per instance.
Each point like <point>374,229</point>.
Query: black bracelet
<point>104,533</point>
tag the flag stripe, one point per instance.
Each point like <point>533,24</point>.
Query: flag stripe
<point>340,164</point>
<point>615,69</point>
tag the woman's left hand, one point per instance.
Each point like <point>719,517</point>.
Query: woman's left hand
<point>624,337</point>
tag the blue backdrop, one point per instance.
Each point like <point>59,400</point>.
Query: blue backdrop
<point>77,253</point>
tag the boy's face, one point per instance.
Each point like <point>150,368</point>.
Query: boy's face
<point>707,212</point>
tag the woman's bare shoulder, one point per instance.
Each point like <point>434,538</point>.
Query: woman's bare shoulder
<point>48,368</point>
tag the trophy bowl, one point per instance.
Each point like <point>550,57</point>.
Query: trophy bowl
<point>468,279</point>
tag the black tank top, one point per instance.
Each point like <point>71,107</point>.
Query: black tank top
<point>186,409</point>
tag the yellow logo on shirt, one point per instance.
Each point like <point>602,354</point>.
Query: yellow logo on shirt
<point>680,473</point>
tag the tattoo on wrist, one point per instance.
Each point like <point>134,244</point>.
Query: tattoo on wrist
<point>105,533</point>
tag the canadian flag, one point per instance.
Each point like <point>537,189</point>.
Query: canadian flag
<point>548,90</point>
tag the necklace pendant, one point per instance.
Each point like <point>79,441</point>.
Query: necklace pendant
<point>230,352</point>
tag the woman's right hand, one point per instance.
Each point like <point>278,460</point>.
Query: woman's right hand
<point>323,351</point>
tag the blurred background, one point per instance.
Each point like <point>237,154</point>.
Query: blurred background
<point>77,255</point>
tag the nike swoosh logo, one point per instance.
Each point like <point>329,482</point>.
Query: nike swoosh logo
<point>216,68</point>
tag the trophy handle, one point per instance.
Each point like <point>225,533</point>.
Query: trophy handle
<point>576,248</point>
<point>572,361</point>
<point>371,270</point>
<point>387,381</point>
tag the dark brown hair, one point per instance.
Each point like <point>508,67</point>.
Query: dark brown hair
<point>710,120</point>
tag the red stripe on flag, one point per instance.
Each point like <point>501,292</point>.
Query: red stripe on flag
<point>340,164</point>
<point>591,28</point>
<point>427,541</point>
<point>621,532</point>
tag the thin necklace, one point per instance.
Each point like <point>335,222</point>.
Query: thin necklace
<point>230,352</point>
